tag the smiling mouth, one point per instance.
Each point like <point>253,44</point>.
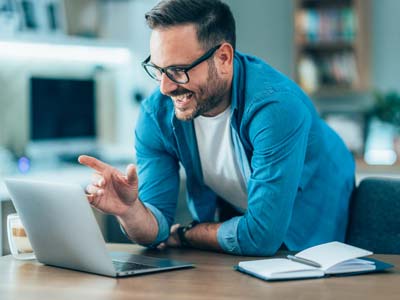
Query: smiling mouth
<point>183,100</point>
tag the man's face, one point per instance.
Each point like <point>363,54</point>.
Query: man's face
<point>206,92</point>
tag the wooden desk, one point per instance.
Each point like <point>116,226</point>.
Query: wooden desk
<point>213,278</point>
<point>364,170</point>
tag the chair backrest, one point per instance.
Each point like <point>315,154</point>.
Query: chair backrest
<point>374,218</point>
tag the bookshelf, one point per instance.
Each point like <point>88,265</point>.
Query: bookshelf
<point>331,46</point>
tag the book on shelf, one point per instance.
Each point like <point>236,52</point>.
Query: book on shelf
<point>327,24</point>
<point>327,69</point>
<point>328,259</point>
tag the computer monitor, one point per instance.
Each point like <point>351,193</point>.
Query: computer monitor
<point>62,108</point>
<point>63,115</point>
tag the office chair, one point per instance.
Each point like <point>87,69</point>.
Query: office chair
<point>374,216</point>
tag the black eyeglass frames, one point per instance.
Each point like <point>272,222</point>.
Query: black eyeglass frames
<point>178,74</point>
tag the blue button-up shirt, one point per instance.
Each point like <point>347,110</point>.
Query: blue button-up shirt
<point>299,173</point>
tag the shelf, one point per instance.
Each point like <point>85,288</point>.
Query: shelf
<point>334,91</point>
<point>326,46</point>
<point>325,3</point>
<point>331,47</point>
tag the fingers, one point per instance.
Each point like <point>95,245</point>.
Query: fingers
<point>94,201</point>
<point>174,228</point>
<point>101,167</point>
<point>91,198</point>
<point>93,163</point>
<point>162,246</point>
<point>97,185</point>
<point>94,190</point>
<point>98,180</point>
<point>94,195</point>
<point>131,175</point>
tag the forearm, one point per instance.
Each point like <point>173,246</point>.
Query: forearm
<point>204,236</point>
<point>139,223</point>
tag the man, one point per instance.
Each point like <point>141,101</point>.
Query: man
<point>242,131</point>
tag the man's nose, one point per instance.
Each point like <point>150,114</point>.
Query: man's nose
<point>167,85</point>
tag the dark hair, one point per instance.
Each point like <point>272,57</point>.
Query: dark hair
<point>213,19</point>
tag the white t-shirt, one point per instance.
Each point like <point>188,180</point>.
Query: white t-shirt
<point>218,161</point>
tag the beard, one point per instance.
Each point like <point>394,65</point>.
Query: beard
<point>212,94</point>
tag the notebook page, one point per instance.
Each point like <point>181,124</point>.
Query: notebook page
<point>352,265</point>
<point>357,261</point>
<point>280,268</point>
<point>330,254</point>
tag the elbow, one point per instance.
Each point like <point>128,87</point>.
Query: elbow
<point>240,237</point>
<point>259,240</point>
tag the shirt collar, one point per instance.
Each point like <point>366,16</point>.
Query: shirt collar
<point>237,90</point>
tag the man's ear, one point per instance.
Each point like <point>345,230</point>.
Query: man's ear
<point>224,59</point>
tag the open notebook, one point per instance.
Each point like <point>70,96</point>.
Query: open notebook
<point>326,259</point>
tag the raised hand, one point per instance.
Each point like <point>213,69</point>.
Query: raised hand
<point>111,191</point>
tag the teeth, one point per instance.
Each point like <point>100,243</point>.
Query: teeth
<point>183,97</point>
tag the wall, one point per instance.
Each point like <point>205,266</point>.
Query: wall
<point>265,28</point>
<point>124,22</point>
<point>386,44</point>
<point>13,104</point>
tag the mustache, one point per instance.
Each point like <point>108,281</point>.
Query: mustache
<point>179,92</point>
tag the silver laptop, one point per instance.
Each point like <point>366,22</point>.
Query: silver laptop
<point>63,231</point>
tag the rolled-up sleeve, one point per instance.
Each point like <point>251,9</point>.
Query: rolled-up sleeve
<point>278,132</point>
<point>227,236</point>
<point>163,227</point>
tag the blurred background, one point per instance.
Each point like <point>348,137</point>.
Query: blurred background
<point>71,80</point>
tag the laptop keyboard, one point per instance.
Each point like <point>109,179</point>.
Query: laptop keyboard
<point>122,266</point>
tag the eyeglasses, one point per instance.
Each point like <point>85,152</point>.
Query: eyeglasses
<point>178,74</point>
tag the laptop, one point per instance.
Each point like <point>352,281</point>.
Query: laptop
<point>63,231</point>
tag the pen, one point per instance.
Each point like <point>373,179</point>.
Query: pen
<point>304,261</point>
